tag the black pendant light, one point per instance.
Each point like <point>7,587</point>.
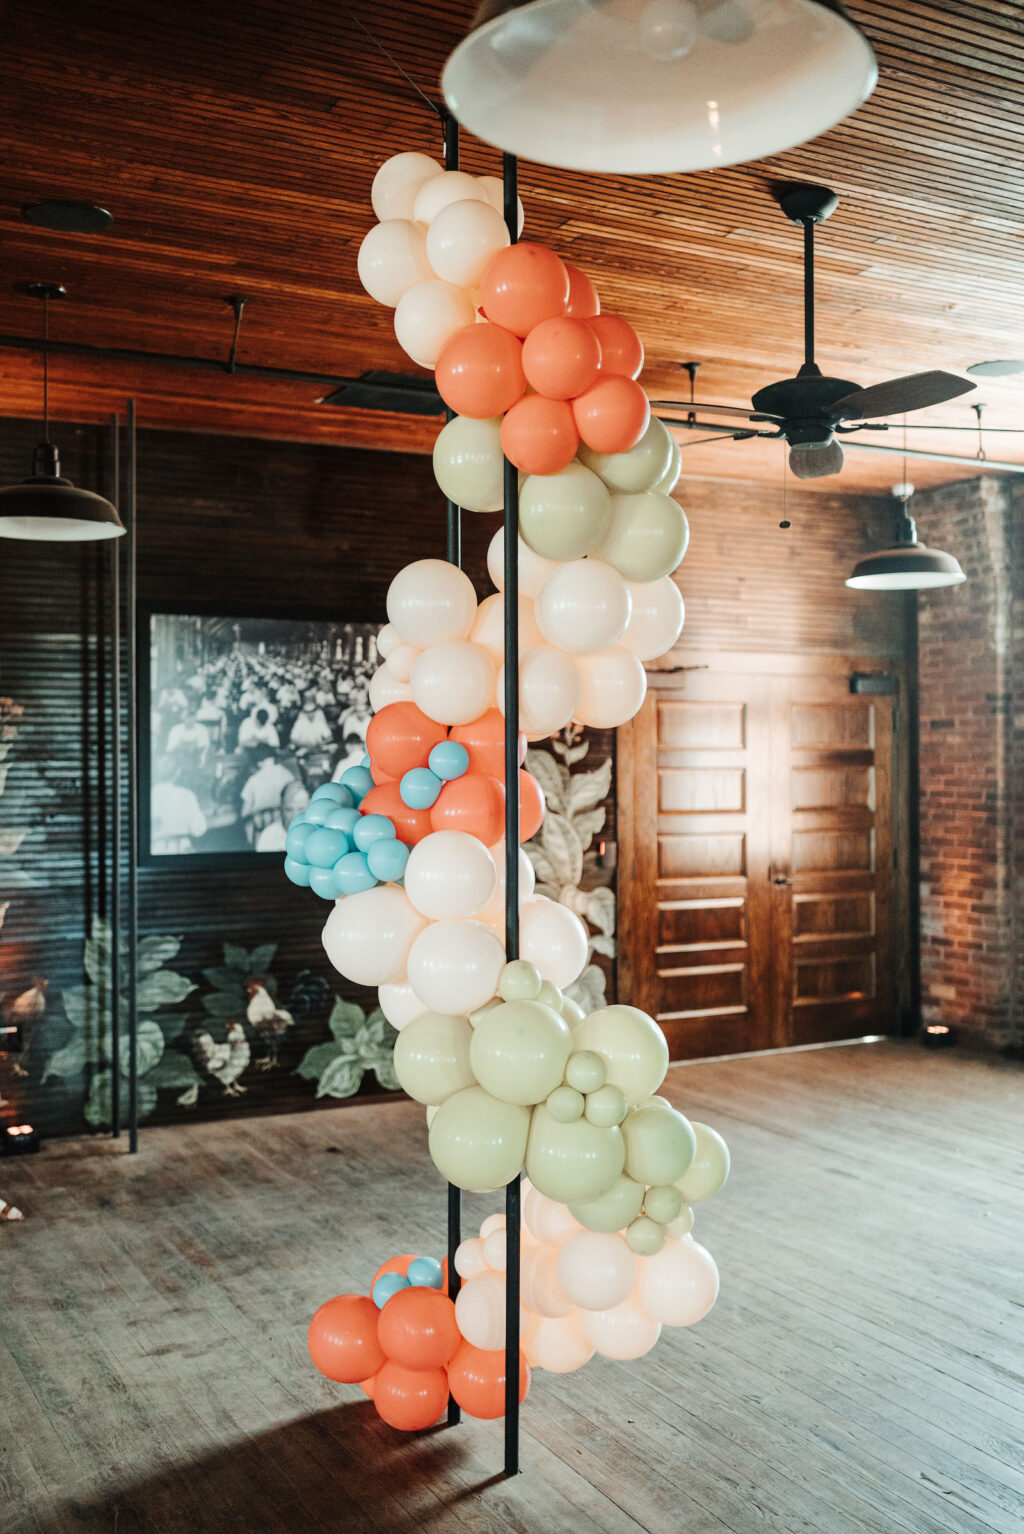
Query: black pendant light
<point>907,565</point>
<point>48,508</point>
<point>648,86</point>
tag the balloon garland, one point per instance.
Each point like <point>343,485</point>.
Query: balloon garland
<point>409,846</point>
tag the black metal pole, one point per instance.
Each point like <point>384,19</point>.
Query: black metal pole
<point>512,1192</point>
<point>133,791</point>
<point>808,290</point>
<point>116,828</point>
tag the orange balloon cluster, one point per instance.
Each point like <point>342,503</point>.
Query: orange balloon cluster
<point>544,333</point>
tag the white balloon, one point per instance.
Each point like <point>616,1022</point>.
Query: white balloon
<point>583,606</point>
<point>613,685</point>
<point>368,936</point>
<point>656,619</point>
<point>395,185</point>
<point>440,191</point>
<point>431,601</point>
<point>453,682</point>
<point>480,1311</point>
<point>679,1286</point>
<point>489,628</point>
<point>454,965</point>
<point>552,937</point>
<point>493,189</point>
<point>549,690</point>
<point>428,315</point>
<point>564,515</point>
<point>638,469</point>
<point>540,1289</point>
<point>597,1271</point>
<point>461,240</point>
<point>400,1004</point>
<point>558,1344</point>
<point>493,913</point>
<point>470,1261</point>
<point>392,259</point>
<point>625,1332</point>
<point>533,570</point>
<point>400,661</point>
<point>468,463</point>
<point>449,875</point>
<point>385,688</point>
<point>387,640</point>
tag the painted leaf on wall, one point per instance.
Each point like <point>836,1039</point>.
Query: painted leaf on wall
<point>552,777</point>
<point>587,789</point>
<point>562,845</point>
<point>162,988</point>
<point>341,1078</point>
<point>316,1060</point>
<point>149,1046</point>
<point>156,951</point>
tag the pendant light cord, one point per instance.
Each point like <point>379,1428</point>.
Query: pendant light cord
<point>46,369</point>
<point>406,76</point>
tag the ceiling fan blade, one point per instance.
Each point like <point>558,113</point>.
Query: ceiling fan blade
<point>684,406</point>
<point>898,395</point>
<point>815,462</point>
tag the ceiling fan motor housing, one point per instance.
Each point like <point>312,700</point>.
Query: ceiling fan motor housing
<point>802,406</point>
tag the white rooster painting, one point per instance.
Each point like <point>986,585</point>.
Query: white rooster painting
<point>225,1061</point>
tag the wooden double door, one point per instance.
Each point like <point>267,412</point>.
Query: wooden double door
<point>756,859</point>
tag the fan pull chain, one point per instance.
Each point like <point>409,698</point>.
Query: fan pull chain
<point>785,523</point>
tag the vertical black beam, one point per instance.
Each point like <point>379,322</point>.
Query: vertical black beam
<point>133,790</point>
<point>512,1192</point>
<point>116,826</point>
<point>913,712</point>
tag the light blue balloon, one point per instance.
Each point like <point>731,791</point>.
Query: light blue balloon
<point>426,1273</point>
<point>449,759</point>
<point>299,833</point>
<point>324,847</point>
<point>370,829</point>
<point>352,874</point>
<point>387,1285</point>
<point>387,860</point>
<point>358,781</point>
<point>333,791</point>
<point>297,872</point>
<point>317,811</point>
<point>344,818</point>
<point>366,761</point>
<point>324,882</point>
<point>419,788</point>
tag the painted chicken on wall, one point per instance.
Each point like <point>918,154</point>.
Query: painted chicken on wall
<point>225,1061</point>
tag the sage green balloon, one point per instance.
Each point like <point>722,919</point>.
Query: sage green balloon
<point>572,1162</point>
<point>663,1203</point>
<point>565,1104</point>
<point>645,1237</point>
<point>563,516</point>
<point>520,981</point>
<point>682,1224</point>
<point>707,1172</point>
<point>572,1011</point>
<point>660,1144</point>
<point>432,1057</point>
<point>640,468</point>
<point>607,1106</point>
<point>586,1071</point>
<point>481,1012</point>
<point>647,536</point>
<point>614,1210</point>
<point>477,1142</point>
<point>518,1051</point>
<point>550,996</point>
<point>631,1044</point>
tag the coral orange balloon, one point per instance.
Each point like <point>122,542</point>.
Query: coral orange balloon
<point>539,435</point>
<point>343,1339</point>
<point>410,1399</point>
<point>411,826</point>
<point>401,737</point>
<point>399,1264</point>
<point>561,357</point>
<point>484,739</point>
<point>474,803</point>
<point>368,1386</point>
<point>378,774</point>
<point>584,303</point>
<point>476,1378</point>
<point>531,806</point>
<point>480,372</point>
<point>612,415</point>
<point>521,286</point>
<point>417,1328</point>
<point>622,351</point>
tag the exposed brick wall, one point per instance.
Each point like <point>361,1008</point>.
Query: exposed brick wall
<point>971,640</point>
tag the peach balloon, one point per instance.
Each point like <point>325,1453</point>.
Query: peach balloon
<point>533,568</point>
<point>613,685</point>
<point>392,259</point>
<point>539,435</point>
<point>385,689</point>
<point>558,1344</point>
<point>612,415</point>
<point>541,1290</point>
<point>561,358</point>
<point>428,315</point>
<point>462,239</point>
<point>622,351</point>
<point>438,192</point>
<point>549,690</point>
<point>584,303</point>
<point>624,1332</point>
<point>522,286</point>
<point>489,630</point>
<point>480,371</point>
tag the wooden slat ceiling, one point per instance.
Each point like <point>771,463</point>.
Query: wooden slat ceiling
<point>235,142</point>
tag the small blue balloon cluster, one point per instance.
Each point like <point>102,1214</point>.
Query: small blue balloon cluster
<point>334,850</point>
<point>424,1273</point>
<point>420,786</point>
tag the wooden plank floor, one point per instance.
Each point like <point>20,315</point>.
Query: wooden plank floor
<point>861,1373</point>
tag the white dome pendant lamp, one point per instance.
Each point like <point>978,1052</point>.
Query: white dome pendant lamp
<point>906,565</point>
<point>649,86</point>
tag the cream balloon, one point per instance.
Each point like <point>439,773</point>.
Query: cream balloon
<point>451,186</point>
<point>631,1043</point>
<point>480,1311</point>
<point>496,1251</point>
<point>518,1051</point>
<point>493,189</point>
<point>549,690</point>
<point>646,536</point>
<point>707,1173</point>
<point>368,936</point>
<point>401,660</point>
<point>679,1285</point>
<point>392,259</point>
<point>428,315</point>
<point>489,628</point>
<point>492,1223</point>
<point>668,481</point>
<point>626,1332</point>
<point>558,1344</point>
<point>470,1261</point>
<point>641,467</point>
<point>385,688</point>
<point>552,937</point>
<point>399,1004</point>
<point>583,606</point>
<point>493,913</point>
<point>454,965</point>
<point>572,1163</point>
<point>615,1209</point>
<point>564,515</point>
<point>520,981</point>
<point>533,570</point>
<point>613,685</point>
<point>432,1057</point>
<point>540,1289</point>
<point>396,183</point>
<point>449,875</point>
<point>548,1222</point>
<point>477,1142</point>
<point>596,1270</point>
<point>468,463</point>
<point>655,620</point>
<point>387,640</point>
<point>461,240</point>
<point>430,602</point>
<point>453,682</point>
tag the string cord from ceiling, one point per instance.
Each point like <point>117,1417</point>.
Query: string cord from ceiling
<point>438,110</point>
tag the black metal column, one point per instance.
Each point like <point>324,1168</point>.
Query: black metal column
<point>116,825</point>
<point>133,787</point>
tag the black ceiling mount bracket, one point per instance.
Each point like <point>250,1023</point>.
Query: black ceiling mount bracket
<point>806,204</point>
<point>46,290</point>
<point>692,368</point>
<point>236,303</point>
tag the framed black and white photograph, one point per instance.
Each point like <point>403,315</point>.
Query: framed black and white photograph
<point>242,718</point>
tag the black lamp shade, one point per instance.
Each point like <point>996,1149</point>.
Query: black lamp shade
<point>912,567</point>
<point>49,509</point>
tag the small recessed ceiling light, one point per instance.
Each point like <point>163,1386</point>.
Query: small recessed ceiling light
<point>68,217</point>
<point>1001,369</point>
